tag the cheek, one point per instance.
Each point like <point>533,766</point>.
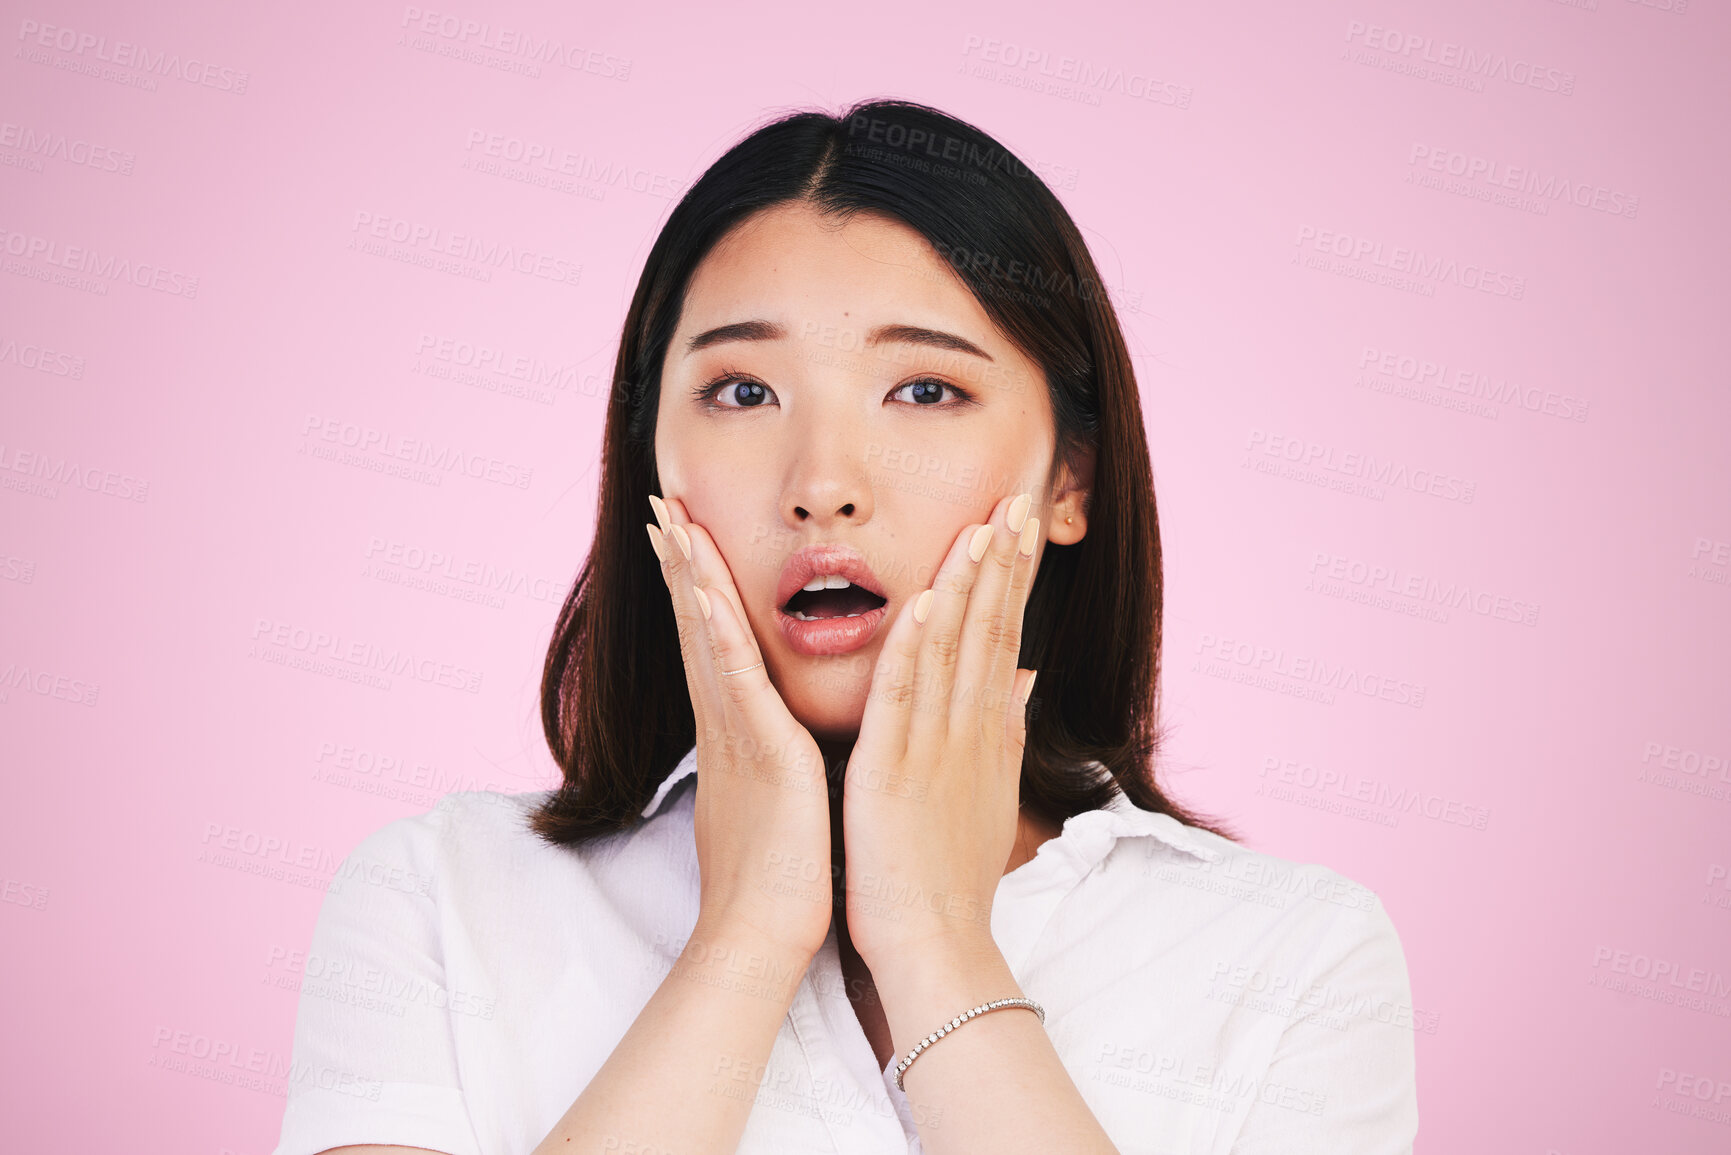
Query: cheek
<point>747,545</point>
<point>735,505</point>
<point>926,514</point>
<point>717,490</point>
<point>946,478</point>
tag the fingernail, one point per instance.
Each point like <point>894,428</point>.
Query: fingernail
<point>660,508</point>
<point>1019,512</point>
<point>684,540</point>
<point>655,542</point>
<point>982,538</point>
<point>1030,534</point>
<point>1028,693</point>
<point>922,607</point>
<point>702,601</point>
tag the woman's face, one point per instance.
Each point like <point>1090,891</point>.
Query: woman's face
<point>857,399</point>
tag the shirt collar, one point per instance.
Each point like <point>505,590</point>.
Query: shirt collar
<point>1129,820</point>
<point>1122,818</point>
<point>687,767</point>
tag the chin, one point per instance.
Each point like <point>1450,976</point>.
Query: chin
<point>830,700</point>
<point>831,721</point>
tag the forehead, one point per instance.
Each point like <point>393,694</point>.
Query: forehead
<point>791,261</point>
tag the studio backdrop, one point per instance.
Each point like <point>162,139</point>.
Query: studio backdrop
<point>307,326</point>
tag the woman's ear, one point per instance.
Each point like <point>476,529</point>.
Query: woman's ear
<point>1067,515</point>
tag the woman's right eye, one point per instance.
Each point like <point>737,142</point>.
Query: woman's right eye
<point>736,393</point>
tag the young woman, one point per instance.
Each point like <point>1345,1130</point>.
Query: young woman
<point>818,819</point>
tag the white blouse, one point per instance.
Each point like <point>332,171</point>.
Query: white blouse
<point>465,980</point>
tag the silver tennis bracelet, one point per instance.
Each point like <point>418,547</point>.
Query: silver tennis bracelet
<point>983,1008</point>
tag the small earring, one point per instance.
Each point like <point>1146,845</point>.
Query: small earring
<point>1066,521</point>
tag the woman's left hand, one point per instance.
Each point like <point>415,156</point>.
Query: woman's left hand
<point>930,800</point>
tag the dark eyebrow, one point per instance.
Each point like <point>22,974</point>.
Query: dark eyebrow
<point>883,334</point>
<point>738,331</point>
<point>913,335</point>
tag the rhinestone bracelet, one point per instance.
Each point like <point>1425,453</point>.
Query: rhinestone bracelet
<point>996,1004</point>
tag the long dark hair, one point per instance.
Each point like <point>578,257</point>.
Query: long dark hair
<point>614,700</point>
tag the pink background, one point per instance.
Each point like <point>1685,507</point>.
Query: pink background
<point>1541,796</point>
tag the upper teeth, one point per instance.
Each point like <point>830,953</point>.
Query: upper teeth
<point>829,581</point>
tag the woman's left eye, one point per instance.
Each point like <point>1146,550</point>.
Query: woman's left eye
<point>928,391</point>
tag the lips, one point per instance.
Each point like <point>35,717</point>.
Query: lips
<point>833,635</point>
<point>814,560</point>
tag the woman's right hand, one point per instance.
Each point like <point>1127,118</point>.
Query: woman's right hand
<point>762,808</point>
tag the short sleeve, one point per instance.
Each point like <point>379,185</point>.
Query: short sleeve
<point>374,1058</point>
<point>1342,1078</point>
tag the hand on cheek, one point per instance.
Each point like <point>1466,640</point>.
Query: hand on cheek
<point>930,798</point>
<point>761,821</point>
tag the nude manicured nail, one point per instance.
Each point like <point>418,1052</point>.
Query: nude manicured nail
<point>1030,534</point>
<point>702,602</point>
<point>1018,512</point>
<point>977,547</point>
<point>922,607</point>
<point>655,541</point>
<point>660,508</point>
<point>683,539</point>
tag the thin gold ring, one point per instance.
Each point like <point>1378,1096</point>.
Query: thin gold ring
<point>730,673</point>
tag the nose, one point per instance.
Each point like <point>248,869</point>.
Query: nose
<point>827,480</point>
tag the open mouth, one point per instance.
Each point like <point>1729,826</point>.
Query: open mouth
<point>830,596</point>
